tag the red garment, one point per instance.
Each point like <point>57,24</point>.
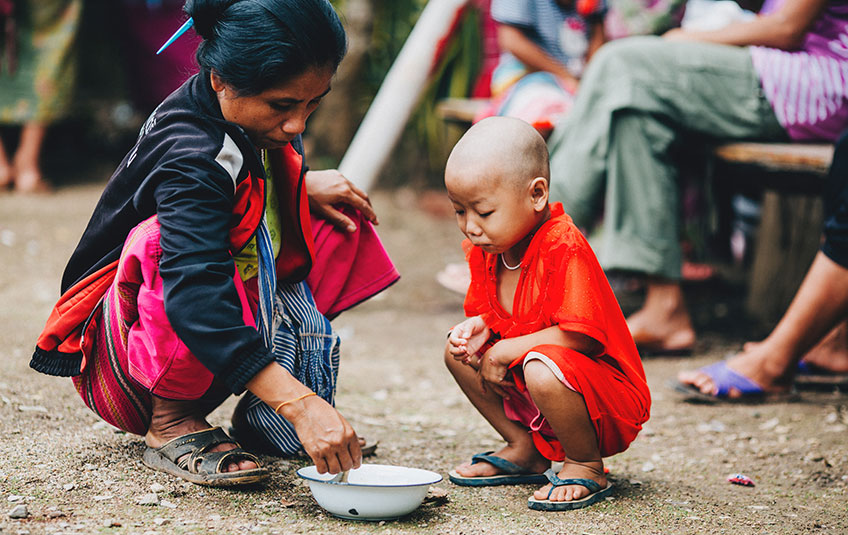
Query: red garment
<point>561,283</point>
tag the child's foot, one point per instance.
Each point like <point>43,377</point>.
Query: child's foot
<point>532,461</point>
<point>593,470</point>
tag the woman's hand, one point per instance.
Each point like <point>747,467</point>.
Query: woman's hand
<point>328,189</point>
<point>467,338</point>
<point>326,436</point>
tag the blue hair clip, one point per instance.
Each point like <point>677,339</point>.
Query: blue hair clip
<point>182,29</point>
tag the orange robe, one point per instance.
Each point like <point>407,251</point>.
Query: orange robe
<point>561,283</point>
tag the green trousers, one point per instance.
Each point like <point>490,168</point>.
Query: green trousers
<point>640,98</point>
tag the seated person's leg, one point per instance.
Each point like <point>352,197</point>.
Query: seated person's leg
<point>820,305</point>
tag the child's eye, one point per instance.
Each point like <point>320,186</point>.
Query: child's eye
<point>486,214</point>
<point>460,212</point>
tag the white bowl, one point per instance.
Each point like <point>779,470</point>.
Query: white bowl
<point>372,491</point>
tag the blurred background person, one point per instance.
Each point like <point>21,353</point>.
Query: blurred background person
<point>37,77</point>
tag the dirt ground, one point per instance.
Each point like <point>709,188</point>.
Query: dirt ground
<point>74,474</point>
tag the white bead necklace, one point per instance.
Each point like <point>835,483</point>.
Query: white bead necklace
<point>511,268</point>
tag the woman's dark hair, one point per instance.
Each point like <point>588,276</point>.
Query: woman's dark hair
<point>253,45</point>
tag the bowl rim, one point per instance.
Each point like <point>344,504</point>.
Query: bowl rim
<point>349,484</point>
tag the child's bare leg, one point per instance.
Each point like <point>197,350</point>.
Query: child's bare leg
<point>565,410</point>
<point>519,447</point>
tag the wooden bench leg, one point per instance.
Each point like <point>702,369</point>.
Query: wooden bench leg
<point>788,238</point>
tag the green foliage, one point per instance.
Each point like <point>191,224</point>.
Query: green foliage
<point>453,76</point>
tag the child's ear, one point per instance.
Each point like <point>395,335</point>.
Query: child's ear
<point>539,193</point>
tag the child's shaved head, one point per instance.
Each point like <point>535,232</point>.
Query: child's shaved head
<point>510,146</point>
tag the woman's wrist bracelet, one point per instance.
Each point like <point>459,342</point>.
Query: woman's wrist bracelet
<point>283,404</point>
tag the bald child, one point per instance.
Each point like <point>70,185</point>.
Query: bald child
<point>545,355</point>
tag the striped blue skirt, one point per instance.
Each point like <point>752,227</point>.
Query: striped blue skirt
<point>305,345</point>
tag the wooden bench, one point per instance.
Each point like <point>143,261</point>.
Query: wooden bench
<point>791,175</point>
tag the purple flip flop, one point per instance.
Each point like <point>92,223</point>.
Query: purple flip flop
<point>726,380</point>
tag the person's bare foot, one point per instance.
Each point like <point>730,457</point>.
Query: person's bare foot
<point>831,353</point>
<point>7,177</point>
<point>173,419</point>
<point>29,181</point>
<point>663,323</point>
<point>755,362</point>
<point>661,330</point>
<point>593,470</point>
<point>527,458</point>
<point>455,277</point>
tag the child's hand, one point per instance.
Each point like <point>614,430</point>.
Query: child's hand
<point>494,367</point>
<point>467,338</point>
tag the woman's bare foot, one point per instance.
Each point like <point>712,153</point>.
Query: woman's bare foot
<point>172,419</point>
<point>527,458</point>
<point>663,323</point>
<point>593,470</point>
<point>757,362</point>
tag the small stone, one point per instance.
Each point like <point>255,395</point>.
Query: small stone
<point>157,488</point>
<point>109,523</point>
<point>769,424</point>
<point>635,482</point>
<point>69,486</point>
<point>147,499</point>
<point>648,467</point>
<point>102,497</point>
<point>159,521</point>
<point>90,467</point>
<point>55,514</point>
<point>32,408</point>
<point>19,511</point>
<point>166,503</point>
<point>15,498</point>
<point>713,426</point>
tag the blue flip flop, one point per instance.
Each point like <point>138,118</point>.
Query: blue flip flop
<point>511,473</point>
<point>598,493</point>
<point>726,380</point>
<point>811,377</point>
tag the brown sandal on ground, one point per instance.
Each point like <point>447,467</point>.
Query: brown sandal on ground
<point>188,457</point>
